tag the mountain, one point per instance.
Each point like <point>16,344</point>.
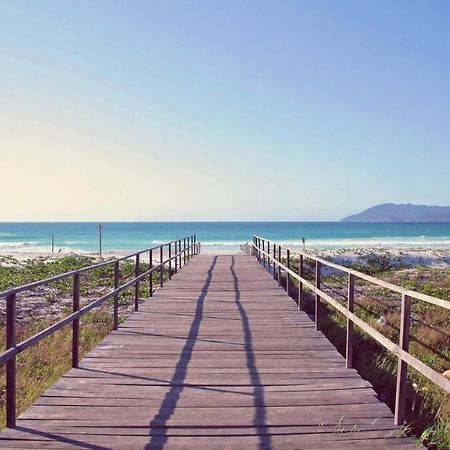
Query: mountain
<point>405,212</point>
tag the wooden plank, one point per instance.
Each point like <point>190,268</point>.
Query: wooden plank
<point>219,358</point>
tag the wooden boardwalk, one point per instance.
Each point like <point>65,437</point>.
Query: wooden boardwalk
<point>217,359</point>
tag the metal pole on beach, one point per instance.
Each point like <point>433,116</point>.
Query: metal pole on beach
<point>100,229</point>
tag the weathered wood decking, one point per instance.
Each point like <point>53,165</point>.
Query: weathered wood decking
<point>218,358</point>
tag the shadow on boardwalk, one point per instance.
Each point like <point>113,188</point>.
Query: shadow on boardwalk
<point>169,403</point>
<point>258,389</point>
<point>168,406</point>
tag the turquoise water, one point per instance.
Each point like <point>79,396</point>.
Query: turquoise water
<point>83,236</point>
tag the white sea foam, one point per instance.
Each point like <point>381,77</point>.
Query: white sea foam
<point>35,247</point>
<point>389,242</point>
<point>12,245</point>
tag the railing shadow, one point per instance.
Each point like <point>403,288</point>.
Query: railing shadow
<point>259,419</point>
<point>170,401</point>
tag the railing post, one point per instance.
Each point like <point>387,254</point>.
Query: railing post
<point>175,244</point>
<point>288,265</point>
<point>350,307</point>
<point>279,265</point>
<point>116,296</point>
<point>184,251</point>
<point>170,261</point>
<point>161,268</point>
<point>137,272</point>
<point>317,303</point>
<point>300,284</point>
<point>264,256</point>
<point>76,322</point>
<point>11,364</point>
<point>274,259</point>
<point>400,394</point>
<point>179,251</point>
<point>195,244</point>
<point>268,254</point>
<point>150,281</point>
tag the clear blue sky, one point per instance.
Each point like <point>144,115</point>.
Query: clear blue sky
<point>222,110</point>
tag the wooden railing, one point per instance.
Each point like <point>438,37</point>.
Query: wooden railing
<point>271,255</point>
<point>179,252</point>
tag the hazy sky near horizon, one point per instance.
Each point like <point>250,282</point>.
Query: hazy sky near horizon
<point>221,110</point>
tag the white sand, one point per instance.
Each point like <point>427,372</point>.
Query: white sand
<point>414,257</point>
<point>397,256</point>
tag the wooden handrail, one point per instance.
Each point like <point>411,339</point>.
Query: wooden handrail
<point>363,276</point>
<point>191,248</point>
<point>39,283</point>
<point>405,359</point>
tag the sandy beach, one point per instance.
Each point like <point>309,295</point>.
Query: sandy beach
<point>397,257</point>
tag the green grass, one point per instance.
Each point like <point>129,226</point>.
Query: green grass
<point>428,406</point>
<point>43,364</point>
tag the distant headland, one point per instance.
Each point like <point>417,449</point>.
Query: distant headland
<point>404,212</point>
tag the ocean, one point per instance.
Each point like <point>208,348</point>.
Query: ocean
<point>83,236</point>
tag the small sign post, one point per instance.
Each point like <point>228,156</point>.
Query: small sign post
<point>100,229</point>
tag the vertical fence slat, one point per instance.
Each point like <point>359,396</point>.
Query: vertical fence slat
<point>317,302</point>
<point>288,265</point>
<point>300,284</point>
<point>76,322</point>
<point>279,266</point>
<point>264,256</point>
<point>350,307</point>
<point>116,296</point>
<point>161,269</point>
<point>274,264</point>
<point>137,272</point>
<point>184,251</point>
<point>179,251</point>
<point>175,244</point>
<point>150,281</point>
<point>11,364</point>
<point>170,261</point>
<point>400,394</point>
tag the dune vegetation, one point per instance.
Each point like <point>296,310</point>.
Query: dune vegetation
<point>40,366</point>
